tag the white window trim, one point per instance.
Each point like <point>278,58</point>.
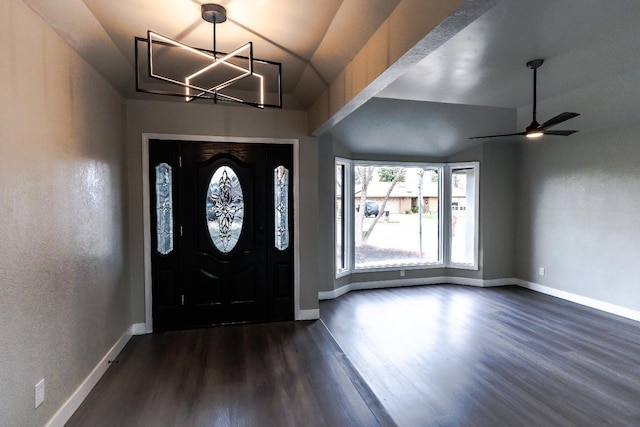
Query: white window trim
<point>444,209</point>
<point>441,214</point>
<point>347,222</point>
<point>448,218</point>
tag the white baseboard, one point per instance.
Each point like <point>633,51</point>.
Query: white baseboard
<point>412,282</point>
<point>356,286</point>
<point>308,314</point>
<point>71,405</point>
<point>579,299</point>
<point>139,329</point>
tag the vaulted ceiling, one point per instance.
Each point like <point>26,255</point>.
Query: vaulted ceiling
<point>313,39</point>
<point>474,83</point>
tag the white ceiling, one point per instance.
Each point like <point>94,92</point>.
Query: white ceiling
<point>590,49</point>
<point>582,42</point>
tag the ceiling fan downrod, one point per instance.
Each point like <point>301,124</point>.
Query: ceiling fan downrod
<point>532,130</point>
<point>535,129</point>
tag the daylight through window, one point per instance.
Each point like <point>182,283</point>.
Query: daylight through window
<point>341,217</point>
<point>397,215</point>
<point>463,215</point>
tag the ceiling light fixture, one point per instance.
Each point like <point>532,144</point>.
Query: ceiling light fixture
<point>533,133</point>
<point>535,129</point>
<point>167,67</point>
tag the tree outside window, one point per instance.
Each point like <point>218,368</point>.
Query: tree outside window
<point>396,221</point>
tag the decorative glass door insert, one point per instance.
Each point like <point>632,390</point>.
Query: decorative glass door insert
<point>225,209</point>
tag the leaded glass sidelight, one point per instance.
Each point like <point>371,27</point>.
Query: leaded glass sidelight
<point>164,209</point>
<point>225,209</point>
<point>281,207</point>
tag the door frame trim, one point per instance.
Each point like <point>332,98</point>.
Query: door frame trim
<point>146,215</point>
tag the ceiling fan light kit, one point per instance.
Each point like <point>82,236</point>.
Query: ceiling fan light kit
<point>533,134</point>
<point>168,67</point>
<point>535,129</point>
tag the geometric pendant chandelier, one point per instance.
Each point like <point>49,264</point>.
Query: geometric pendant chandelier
<point>168,67</point>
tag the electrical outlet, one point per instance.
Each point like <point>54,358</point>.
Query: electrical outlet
<point>39,392</point>
<point>541,271</point>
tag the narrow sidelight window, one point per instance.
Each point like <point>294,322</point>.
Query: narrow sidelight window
<point>164,209</point>
<point>281,207</point>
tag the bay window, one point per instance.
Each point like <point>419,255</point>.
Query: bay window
<point>391,215</point>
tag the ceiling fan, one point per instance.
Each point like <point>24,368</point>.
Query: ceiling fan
<point>535,129</point>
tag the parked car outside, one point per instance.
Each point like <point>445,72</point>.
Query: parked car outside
<point>372,209</point>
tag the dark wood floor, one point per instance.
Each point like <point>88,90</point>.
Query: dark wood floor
<point>449,355</point>
<point>440,355</point>
<point>276,374</point>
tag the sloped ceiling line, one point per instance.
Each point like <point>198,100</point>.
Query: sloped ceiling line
<point>281,47</point>
<point>80,29</point>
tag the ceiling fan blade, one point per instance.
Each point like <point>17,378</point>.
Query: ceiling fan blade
<point>496,136</point>
<point>559,132</point>
<point>562,117</point>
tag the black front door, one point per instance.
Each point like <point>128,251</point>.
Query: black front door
<point>231,257</point>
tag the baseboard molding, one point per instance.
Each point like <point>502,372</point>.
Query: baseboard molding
<point>308,314</point>
<point>582,300</point>
<point>71,405</point>
<point>139,329</point>
<point>356,286</point>
<point>578,299</point>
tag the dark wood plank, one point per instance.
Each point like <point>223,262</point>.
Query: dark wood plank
<point>452,355</point>
<point>433,355</point>
<point>273,374</point>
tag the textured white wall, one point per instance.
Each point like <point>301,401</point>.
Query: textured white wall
<point>579,214</point>
<point>64,295</point>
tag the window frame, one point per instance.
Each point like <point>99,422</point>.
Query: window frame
<point>450,167</point>
<point>444,212</point>
<point>441,224</point>
<point>347,224</point>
